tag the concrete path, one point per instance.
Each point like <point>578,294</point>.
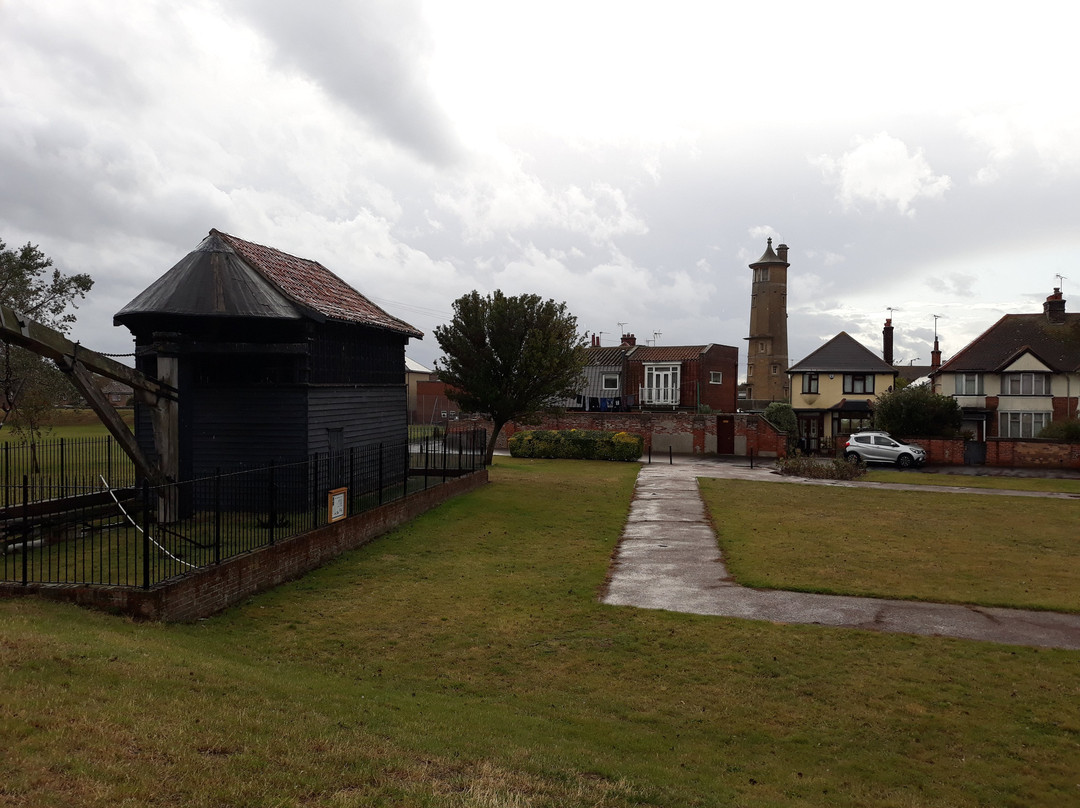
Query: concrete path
<point>669,559</point>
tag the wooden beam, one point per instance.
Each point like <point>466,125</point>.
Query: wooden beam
<point>79,363</point>
<point>100,404</point>
<point>44,341</point>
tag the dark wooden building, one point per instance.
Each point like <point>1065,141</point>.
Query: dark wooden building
<point>275,358</point>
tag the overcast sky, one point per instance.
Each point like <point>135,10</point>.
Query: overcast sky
<point>628,158</point>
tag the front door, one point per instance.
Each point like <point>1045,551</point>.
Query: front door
<point>810,428</point>
<point>725,434</point>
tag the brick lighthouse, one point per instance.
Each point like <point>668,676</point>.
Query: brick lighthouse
<point>767,345</point>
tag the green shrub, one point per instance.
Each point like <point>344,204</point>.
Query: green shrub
<point>1067,431</point>
<point>813,468</point>
<point>576,444</point>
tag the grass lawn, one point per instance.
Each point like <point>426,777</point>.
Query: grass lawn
<point>946,547</point>
<point>463,660</point>
<point>1063,486</point>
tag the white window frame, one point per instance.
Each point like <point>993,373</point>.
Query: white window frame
<point>716,377</point>
<point>654,392</point>
<point>969,384</point>
<point>1025,384</point>
<point>609,381</point>
<point>1022,423</point>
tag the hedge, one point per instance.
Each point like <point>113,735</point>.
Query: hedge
<point>577,444</point>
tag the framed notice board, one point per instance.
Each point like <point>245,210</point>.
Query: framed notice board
<point>337,504</point>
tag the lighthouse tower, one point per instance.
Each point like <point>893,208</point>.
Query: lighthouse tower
<point>767,345</point>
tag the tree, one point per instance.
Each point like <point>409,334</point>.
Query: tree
<point>30,285</point>
<point>917,411</point>
<point>509,357</point>
<point>781,415</point>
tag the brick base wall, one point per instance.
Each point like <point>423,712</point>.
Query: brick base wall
<point>210,590</point>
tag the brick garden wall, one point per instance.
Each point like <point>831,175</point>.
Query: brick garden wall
<point>1032,454</point>
<point>1004,453</point>
<point>210,590</point>
<point>679,432</point>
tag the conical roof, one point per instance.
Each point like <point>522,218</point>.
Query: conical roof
<point>210,281</point>
<point>769,257</point>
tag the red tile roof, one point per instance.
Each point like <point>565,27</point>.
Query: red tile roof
<point>314,287</point>
<point>1057,345</point>
<point>667,353</point>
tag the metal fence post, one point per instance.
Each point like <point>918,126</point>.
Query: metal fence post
<point>25,526</point>
<point>273,503</point>
<point>379,482</point>
<point>217,516</point>
<point>146,535</point>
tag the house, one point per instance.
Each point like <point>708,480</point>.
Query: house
<point>274,356</point>
<point>1019,375</point>
<point>605,377</point>
<point>118,393</point>
<point>834,388</point>
<point>415,373</point>
<point>651,377</point>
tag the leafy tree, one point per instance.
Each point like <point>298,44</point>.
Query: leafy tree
<point>781,415</point>
<point>30,285</point>
<point>509,357</point>
<point>1066,431</point>
<point>917,411</point>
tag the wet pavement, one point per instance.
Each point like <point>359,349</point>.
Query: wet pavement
<point>668,558</point>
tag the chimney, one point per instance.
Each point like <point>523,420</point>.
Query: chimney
<point>781,252</point>
<point>887,342</point>
<point>595,340</point>
<point>1054,307</point>
<point>935,356</point>
<point>629,340</point>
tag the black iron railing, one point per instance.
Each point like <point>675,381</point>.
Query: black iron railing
<point>127,533</point>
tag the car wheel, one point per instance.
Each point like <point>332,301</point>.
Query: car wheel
<point>905,461</point>
<point>852,457</point>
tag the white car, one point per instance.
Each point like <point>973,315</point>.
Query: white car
<point>880,447</point>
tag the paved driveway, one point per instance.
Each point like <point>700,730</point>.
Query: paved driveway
<point>669,559</point>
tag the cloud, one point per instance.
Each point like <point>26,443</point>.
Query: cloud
<point>881,170</point>
<point>371,56</point>
<point>956,284</point>
<point>501,197</point>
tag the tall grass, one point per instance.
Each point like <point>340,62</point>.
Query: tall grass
<point>464,660</point>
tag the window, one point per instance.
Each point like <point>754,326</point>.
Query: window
<point>749,370</point>
<point>761,346</point>
<point>716,377</point>
<point>661,385</point>
<point>858,383</point>
<point>809,382</point>
<point>774,369</point>
<point>1025,384</point>
<point>969,384</point>
<point>761,275</point>
<point>1023,424</point>
<point>611,381</point>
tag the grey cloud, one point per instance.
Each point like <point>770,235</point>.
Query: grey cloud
<point>370,56</point>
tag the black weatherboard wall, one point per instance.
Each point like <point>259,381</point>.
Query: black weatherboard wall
<point>277,358</point>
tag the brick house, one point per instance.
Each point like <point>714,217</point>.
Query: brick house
<point>645,377</point>
<point>1019,375</point>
